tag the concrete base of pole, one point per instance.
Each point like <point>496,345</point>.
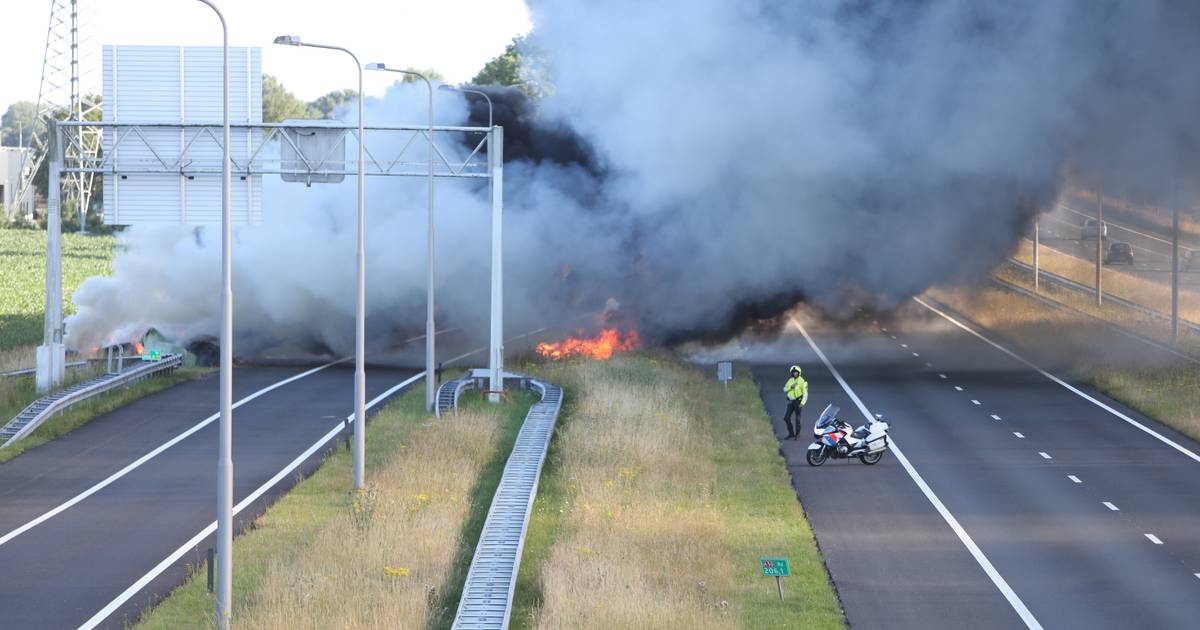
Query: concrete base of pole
<point>51,366</point>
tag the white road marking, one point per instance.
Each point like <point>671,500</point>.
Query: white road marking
<point>1154,539</point>
<point>941,376</point>
<point>883,329</point>
<point>915,354</point>
<point>903,345</point>
<point>1019,434</point>
<point>1074,479</point>
<point>1015,601</point>
<point>995,417</point>
<point>928,364</point>
<point>133,589</point>
<point>151,455</point>
<point>1196,574</point>
<point>1160,437</point>
<point>975,402</point>
<point>893,336</point>
<point>1045,455</point>
<point>1111,506</point>
<point>957,388</point>
<point>1122,227</point>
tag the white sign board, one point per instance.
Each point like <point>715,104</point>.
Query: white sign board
<point>725,371</point>
<point>178,85</point>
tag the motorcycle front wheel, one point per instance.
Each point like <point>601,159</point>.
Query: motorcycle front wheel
<point>871,459</point>
<point>817,456</point>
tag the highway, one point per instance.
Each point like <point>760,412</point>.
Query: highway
<point>67,561</point>
<point>1062,228</point>
<point>1014,499</point>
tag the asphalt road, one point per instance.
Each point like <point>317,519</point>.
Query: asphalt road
<point>1065,501</point>
<point>1062,230</point>
<point>64,570</point>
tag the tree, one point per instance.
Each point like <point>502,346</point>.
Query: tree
<point>327,104</point>
<point>433,75</point>
<point>16,124</point>
<point>523,64</point>
<point>279,104</point>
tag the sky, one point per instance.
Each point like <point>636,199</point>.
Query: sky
<point>455,37</point>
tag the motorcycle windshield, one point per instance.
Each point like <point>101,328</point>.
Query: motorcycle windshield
<point>828,416</point>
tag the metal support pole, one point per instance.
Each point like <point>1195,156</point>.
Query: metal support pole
<point>1175,273</point>
<point>496,346</point>
<point>1099,246</point>
<point>1037,268</point>
<point>779,586</point>
<point>431,376</point>
<point>51,356</point>
<point>224,568</point>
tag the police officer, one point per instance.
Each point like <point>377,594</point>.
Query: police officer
<point>796,389</point>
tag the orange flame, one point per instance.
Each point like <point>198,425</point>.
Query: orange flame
<point>138,347</point>
<point>601,347</point>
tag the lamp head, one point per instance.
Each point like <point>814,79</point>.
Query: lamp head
<point>288,40</point>
<point>375,66</point>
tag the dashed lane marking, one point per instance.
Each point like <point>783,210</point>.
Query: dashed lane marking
<point>1019,434</point>
<point>1074,479</point>
<point>915,354</point>
<point>957,388</point>
<point>1111,506</point>
<point>995,417</point>
<point>989,569</point>
<point>975,402</point>
<point>941,376</point>
<point>1154,539</point>
<point>1045,455</point>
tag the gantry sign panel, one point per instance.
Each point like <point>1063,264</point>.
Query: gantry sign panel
<point>165,90</point>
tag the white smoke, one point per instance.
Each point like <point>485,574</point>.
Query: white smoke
<point>738,156</point>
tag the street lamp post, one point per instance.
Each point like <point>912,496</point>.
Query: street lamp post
<point>430,347</point>
<point>360,332</point>
<point>495,168</point>
<point>224,568</point>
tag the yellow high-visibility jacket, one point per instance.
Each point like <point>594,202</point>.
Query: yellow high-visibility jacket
<point>797,389</point>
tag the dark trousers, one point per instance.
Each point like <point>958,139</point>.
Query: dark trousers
<point>795,408</point>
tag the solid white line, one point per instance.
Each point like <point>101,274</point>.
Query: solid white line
<point>1074,478</point>
<point>997,579</point>
<point>995,417</point>
<point>141,583</point>
<point>1130,230</point>
<point>975,402</point>
<point>1111,506</point>
<point>957,388</point>
<point>151,455</point>
<point>1045,455</point>
<point>1154,539</point>
<point>1162,438</point>
<point>1019,435</point>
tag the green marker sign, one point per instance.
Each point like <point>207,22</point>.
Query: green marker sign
<point>153,355</point>
<point>775,567</point>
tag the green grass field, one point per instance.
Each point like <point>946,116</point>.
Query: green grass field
<point>23,278</point>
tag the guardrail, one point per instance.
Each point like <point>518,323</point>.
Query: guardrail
<point>34,370</point>
<point>1083,288</point>
<point>487,594</point>
<point>44,408</point>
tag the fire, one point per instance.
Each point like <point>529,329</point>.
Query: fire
<point>601,347</point>
<point>138,347</point>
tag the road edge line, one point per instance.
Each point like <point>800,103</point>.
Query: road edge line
<point>130,467</point>
<point>998,580</point>
<point>1160,437</point>
<point>166,563</point>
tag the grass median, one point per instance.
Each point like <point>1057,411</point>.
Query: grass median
<point>393,556</point>
<point>661,492</point>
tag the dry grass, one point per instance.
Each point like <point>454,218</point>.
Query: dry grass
<point>383,562</point>
<point>1124,285</point>
<point>668,491</point>
<point>18,358</point>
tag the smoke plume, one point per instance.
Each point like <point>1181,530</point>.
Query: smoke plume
<point>709,163</point>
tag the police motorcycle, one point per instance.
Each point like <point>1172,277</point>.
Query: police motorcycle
<point>836,439</point>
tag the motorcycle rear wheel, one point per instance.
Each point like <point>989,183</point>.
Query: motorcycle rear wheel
<point>817,456</point>
<point>871,459</point>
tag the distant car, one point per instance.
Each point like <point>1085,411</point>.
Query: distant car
<point>1089,230</point>
<point>1119,251</point>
